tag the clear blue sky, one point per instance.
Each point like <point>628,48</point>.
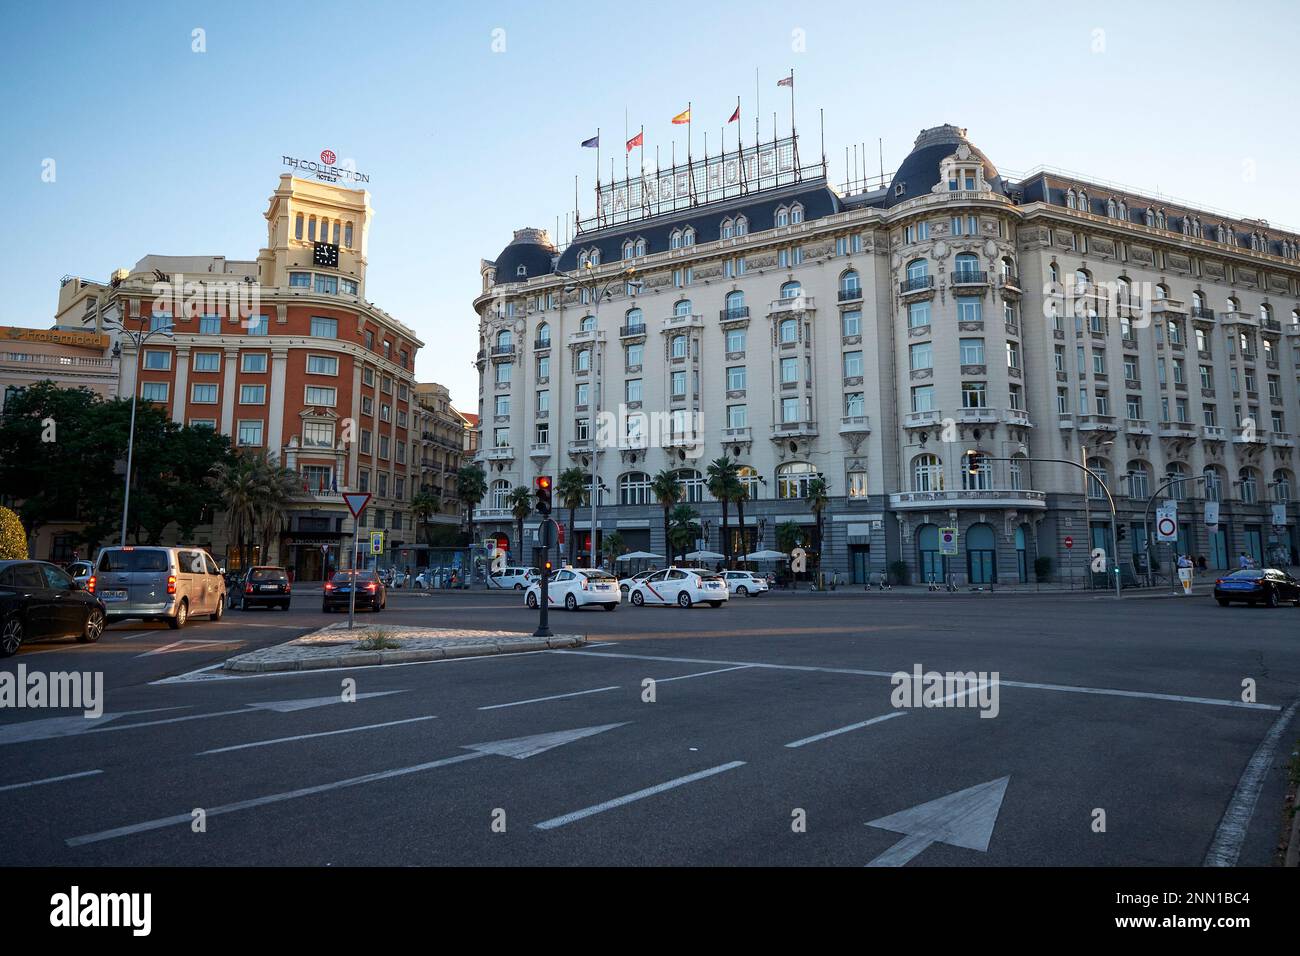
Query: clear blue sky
<point>163,150</point>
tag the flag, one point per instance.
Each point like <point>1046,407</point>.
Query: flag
<point>788,81</point>
<point>637,140</point>
<point>683,117</point>
<point>736,115</point>
<point>593,143</point>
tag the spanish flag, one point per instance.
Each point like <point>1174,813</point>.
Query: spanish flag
<point>683,117</point>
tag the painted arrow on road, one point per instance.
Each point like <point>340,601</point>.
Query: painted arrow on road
<point>965,818</point>
<point>518,748</point>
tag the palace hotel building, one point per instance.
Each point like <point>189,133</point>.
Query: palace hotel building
<point>287,356</point>
<point>876,336</point>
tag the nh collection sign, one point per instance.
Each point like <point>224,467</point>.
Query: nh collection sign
<point>326,169</point>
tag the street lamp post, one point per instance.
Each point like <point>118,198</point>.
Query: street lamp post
<point>139,338</point>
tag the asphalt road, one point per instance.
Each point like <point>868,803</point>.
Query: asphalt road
<point>1121,738</point>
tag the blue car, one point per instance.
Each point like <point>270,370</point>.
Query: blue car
<point>1263,586</point>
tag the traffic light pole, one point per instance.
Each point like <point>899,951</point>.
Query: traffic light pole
<point>547,532</point>
<point>544,618</point>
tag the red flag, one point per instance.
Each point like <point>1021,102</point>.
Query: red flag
<point>683,117</point>
<point>736,115</point>
<point>637,140</point>
<point>788,81</point>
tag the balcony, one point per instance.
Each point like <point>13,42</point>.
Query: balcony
<point>1270,326</point>
<point>1213,432</point>
<point>968,277</point>
<point>792,303</point>
<point>1137,426</point>
<point>542,345</point>
<point>1240,318</point>
<point>794,430</point>
<point>851,294</point>
<point>992,498</point>
<point>1169,307</point>
<point>1017,416</point>
<point>1097,423</point>
<point>1009,285</point>
<point>1281,439</point>
<point>1202,314</point>
<point>590,335</point>
<point>502,352</point>
<point>740,434</point>
<point>675,322</point>
<point>922,419</point>
<point>493,514</point>
<point>855,425</point>
<point>733,315</point>
<point>1254,436</point>
<point>500,453</point>
<point>632,331</point>
<point>539,449</point>
<point>1178,430</point>
<point>581,446</point>
<point>976,415</point>
<point>916,287</point>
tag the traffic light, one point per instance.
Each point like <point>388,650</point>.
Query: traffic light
<point>974,461</point>
<point>543,490</point>
<point>1121,532</point>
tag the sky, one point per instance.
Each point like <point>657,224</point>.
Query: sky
<point>468,117</point>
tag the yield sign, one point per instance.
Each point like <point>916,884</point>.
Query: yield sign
<point>356,501</point>
<point>964,819</point>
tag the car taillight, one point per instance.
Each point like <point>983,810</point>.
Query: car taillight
<point>372,587</point>
<point>248,588</point>
<point>287,587</point>
<point>90,584</point>
<point>1218,582</point>
<point>699,583</point>
<point>329,585</point>
<point>171,584</point>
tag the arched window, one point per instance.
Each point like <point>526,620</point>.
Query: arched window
<point>1161,291</point>
<point>588,324</point>
<point>1198,303</point>
<point>634,489</point>
<point>1161,221</point>
<point>1110,208</point>
<point>595,257</point>
<point>692,483</point>
<point>927,473</point>
<point>583,261</point>
<point>850,285</point>
<point>1071,200</point>
<point>1213,483</point>
<point>640,247</point>
<point>629,249</point>
<point>633,317</point>
<point>1295,317</point>
<point>297,226</point>
<point>1082,278</point>
<point>748,477</point>
<point>1265,314</point>
<point>1008,268</point>
<point>782,216</point>
<point>675,239</point>
<point>678,346</point>
<point>796,214</point>
<point>1101,470</point>
<point>1150,216</point>
<point>347,236</point>
<point>980,478</point>
<point>1233,304</point>
<point>543,334</point>
<point>917,269</point>
<point>788,330</point>
<point>311,229</point>
<point>500,495</point>
<point>1083,200</point>
<point>1282,486</point>
<point>742,225</point>
<point>727,230</point>
<point>735,303</point>
<point>1248,486</point>
<point>682,307</point>
<point>1122,209</point>
<point>505,339</point>
<point>336,232</point>
<point>582,361</point>
<point>792,479</point>
<point>1178,490</point>
<point>791,290</point>
<point>1139,480</point>
<point>966,266</point>
<point>688,236</point>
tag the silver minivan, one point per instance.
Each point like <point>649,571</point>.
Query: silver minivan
<point>158,584</point>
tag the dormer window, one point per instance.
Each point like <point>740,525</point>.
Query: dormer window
<point>900,189</point>
<point>595,257</point>
<point>1150,216</point>
<point>796,214</point>
<point>640,247</point>
<point>688,236</point>
<point>742,226</point>
<point>629,249</point>
<point>1110,208</point>
<point>1122,209</point>
<point>1071,201</point>
<point>782,217</point>
<point>727,229</point>
<point>1083,201</point>
<point>675,239</point>
<point>521,270</point>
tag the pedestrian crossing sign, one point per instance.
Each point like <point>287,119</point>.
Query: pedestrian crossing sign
<point>376,542</point>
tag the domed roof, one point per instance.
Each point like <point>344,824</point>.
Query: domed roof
<point>528,255</point>
<point>919,172</point>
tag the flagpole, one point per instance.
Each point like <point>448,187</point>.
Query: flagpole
<point>645,201</point>
<point>740,148</point>
<point>600,207</point>
<point>794,137</point>
<point>690,172</point>
<point>626,173</point>
<point>658,192</point>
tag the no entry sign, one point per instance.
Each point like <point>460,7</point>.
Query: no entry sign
<point>1069,542</point>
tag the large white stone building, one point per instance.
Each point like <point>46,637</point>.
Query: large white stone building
<point>875,338</point>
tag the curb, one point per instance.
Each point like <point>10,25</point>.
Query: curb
<point>373,658</point>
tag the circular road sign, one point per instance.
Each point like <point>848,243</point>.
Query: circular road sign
<point>1069,542</point>
<point>1166,527</point>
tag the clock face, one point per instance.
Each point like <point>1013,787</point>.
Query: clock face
<point>325,254</point>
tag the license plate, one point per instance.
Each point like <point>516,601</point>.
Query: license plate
<point>267,587</point>
<point>113,595</point>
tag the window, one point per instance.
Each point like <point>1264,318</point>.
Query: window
<point>635,355</point>
<point>583,360</point>
<point>207,362</point>
<point>582,394</point>
<point>365,441</point>
<point>318,395</point>
<point>153,391</point>
<point>299,280</point>
<point>735,340</point>
<point>385,443</point>
<point>252,395</point>
<point>634,489</point>
<point>850,286</point>
<point>385,412</point>
<point>974,395</point>
<point>678,347</point>
<point>855,404</point>
<point>318,435</point>
<point>203,423</point>
<point>793,478</point>
<point>203,394</point>
<point>543,367</point>
<point>737,416</point>
<point>923,398</point>
<point>210,325</point>
<point>782,217</point>
<point>789,410</point>
<point>966,267</point>
<point>918,314</point>
<point>257,325</point>
<point>969,309</point>
<point>921,356</point>
<point>326,364</point>
<point>253,362</point>
<point>852,364</point>
<point>735,377</point>
<point>788,331</point>
<point>632,390</point>
<point>677,385</point>
<point>927,473</point>
<point>328,285</point>
<point>502,374</point>
<point>160,320</point>
<point>791,290</point>
<point>367,405</point>
<point>543,401</point>
<point>1013,355</point>
<point>1248,486</point>
<point>851,323</point>
<point>789,371</point>
<point>972,351</point>
<point>503,405</point>
<point>157,360</point>
<point>250,433</point>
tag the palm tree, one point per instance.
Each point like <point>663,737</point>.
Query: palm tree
<point>739,495</point>
<point>721,483</point>
<point>612,546</point>
<point>668,491</point>
<point>572,489</point>
<point>684,530</point>
<point>471,486</point>
<point>236,483</point>
<point>520,501</point>
<point>276,488</point>
<point>818,499</point>
<point>423,507</point>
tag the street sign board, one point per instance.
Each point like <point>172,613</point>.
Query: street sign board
<point>947,540</point>
<point>356,501</point>
<point>1167,522</point>
<point>1069,542</point>
<point>546,533</point>
<point>376,542</point>
<point>1212,515</point>
<point>1279,516</point>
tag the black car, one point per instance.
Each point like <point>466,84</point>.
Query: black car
<point>41,600</point>
<point>265,587</point>
<point>1269,586</point>
<point>370,589</point>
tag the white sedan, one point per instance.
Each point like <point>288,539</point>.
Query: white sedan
<point>575,588</point>
<point>680,586</point>
<point>745,583</point>
<point>626,584</point>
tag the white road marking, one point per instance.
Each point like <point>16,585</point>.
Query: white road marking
<point>191,677</point>
<point>844,730</point>
<point>1225,849</point>
<point>278,706</point>
<point>665,680</point>
<point>67,726</point>
<point>129,637</point>
<point>518,748</point>
<point>37,783</point>
<point>568,818</point>
<point>326,733</point>
<point>538,700</point>
<point>1062,688</point>
<point>195,643</point>
<point>965,819</point>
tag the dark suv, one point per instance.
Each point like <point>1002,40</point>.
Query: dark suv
<point>370,590</point>
<point>265,587</point>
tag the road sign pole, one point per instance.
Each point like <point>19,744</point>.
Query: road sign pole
<point>548,533</point>
<point>352,596</point>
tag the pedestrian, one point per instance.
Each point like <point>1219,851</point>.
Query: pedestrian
<point>1201,563</point>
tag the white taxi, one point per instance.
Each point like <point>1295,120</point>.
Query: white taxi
<point>680,586</point>
<point>575,588</point>
<point>745,583</point>
<point>626,584</point>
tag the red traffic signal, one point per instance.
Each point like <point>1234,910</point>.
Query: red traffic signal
<point>542,489</point>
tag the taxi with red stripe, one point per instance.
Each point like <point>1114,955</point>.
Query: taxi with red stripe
<point>684,587</point>
<point>574,588</point>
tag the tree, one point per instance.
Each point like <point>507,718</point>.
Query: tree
<point>684,529</point>
<point>236,483</point>
<point>13,539</point>
<point>276,489</point>
<point>721,478</point>
<point>611,545</point>
<point>571,490</point>
<point>521,506</point>
<point>424,506</point>
<point>818,499</point>
<point>788,536</point>
<point>740,495</point>
<point>471,486</point>
<point>668,491</point>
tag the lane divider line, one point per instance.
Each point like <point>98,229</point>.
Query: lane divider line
<point>576,815</point>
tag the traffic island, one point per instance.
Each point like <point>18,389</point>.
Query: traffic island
<point>368,645</point>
